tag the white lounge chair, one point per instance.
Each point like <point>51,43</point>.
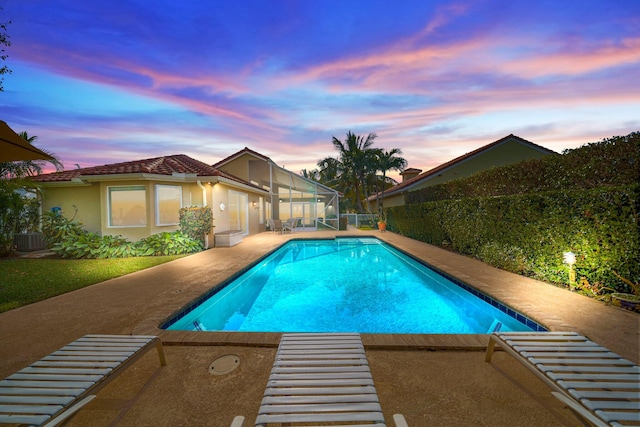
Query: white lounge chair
<point>321,378</point>
<point>597,384</point>
<point>290,225</point>
<point>54,388</point>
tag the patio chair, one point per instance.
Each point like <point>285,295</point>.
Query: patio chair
<point>290,225</point>
<point>323,379</point>
<point>275,225</point>
<point>597,384</point>
<point>54,388</point>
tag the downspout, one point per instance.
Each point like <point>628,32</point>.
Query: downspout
<point>271,193</point>
<point>204,193</point>
<point>204,203</point>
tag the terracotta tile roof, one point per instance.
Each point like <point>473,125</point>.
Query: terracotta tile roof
<point>165,165</point>
<point>404,185</point>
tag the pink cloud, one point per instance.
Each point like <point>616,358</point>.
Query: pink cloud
<point>577,62</point>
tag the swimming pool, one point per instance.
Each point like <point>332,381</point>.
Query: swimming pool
<point>346,285</point>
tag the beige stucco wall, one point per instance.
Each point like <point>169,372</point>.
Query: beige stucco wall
<point>86,200</point>
<point>220,218</point>
<point>239,166</point>
<point>92,206</point>
<point>395,200</point>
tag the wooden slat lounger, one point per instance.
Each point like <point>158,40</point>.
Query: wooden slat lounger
<point>597,384</point>
<point>54,388</point>
<point>321,378</point>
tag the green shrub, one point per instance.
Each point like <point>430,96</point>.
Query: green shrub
<point>10,204</point>
<point>175,243</point>
<point>196,221</point>
<point>522,217</point>
<point>528,234</point>
<point>69,240</point>
<point>506,257</point>
<point>56,228</point>
<point>343,223</point>
<point>19,213</point>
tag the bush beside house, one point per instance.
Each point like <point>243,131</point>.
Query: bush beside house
<point>585,201</point>
<point>69,239</point>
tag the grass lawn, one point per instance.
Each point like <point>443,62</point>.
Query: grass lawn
<point>25,281</point>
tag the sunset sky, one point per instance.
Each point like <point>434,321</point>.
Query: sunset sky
<point>110,81</point>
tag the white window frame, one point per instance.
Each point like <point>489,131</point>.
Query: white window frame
<point>261,209</point>
<point>124,188</point>
<point>157,204</point>
<point>234,198</point>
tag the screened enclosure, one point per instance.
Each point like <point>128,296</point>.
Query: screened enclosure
<point>293,196</point>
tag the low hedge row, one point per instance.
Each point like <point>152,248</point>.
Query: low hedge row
<point>528,234</point>
<point>69,239</point>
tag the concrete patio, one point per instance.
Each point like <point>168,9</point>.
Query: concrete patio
<point>438,380</point>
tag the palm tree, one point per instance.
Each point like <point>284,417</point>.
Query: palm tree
<point>15,208</point>
<point>388,160</point>
<point>313,174</point>
<point>355,162</point>
<point>27,168</point>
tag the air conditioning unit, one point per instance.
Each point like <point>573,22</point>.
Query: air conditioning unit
<point>29,242</point>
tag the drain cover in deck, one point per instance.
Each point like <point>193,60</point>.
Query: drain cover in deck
<point>224,364</point>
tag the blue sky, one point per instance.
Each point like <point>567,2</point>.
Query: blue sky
<point>102,82</point>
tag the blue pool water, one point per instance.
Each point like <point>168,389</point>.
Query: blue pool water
<point>345,285</point>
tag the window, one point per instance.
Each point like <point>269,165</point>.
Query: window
<point>127,206</point>
<point>168,204</point>
<point>261,209</point>
<point>268,210</point>
<point>238,215</point>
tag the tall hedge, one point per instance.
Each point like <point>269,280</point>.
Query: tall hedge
<point>522,217</point>
<point>527,234</point>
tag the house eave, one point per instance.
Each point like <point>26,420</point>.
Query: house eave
<point>88,179</point>
<point>237,184</point>
<point>74,182</point>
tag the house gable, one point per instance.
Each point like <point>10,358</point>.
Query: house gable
<point>507,150</point>
<point>250,166</point>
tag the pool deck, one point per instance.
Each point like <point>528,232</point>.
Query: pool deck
<point>432,379</point>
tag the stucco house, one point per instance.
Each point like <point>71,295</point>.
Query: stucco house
<point>139,198</point>
<point>505,151</point>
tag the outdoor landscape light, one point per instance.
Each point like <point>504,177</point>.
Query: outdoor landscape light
<point>569,258</point>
